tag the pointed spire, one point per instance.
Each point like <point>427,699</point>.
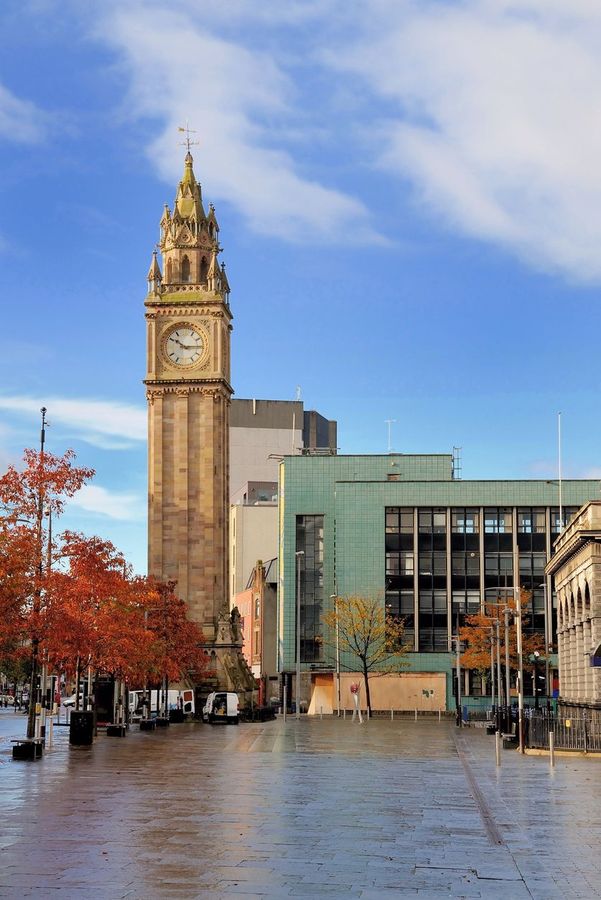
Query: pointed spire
<point>188,202</point>
<point>225,285</point>
<point>154,276</point>
<point>214,273</point>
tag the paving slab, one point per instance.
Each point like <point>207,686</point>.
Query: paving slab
<point>309,808</point>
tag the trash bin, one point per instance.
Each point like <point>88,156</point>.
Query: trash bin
<point>81,728</point>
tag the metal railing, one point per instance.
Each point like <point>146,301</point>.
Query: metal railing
<point>579,730</point>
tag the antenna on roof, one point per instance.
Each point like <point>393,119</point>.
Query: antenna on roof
<point>390,423</point>
<point>457,466</point>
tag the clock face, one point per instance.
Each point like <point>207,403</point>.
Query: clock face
<point>184,346</point>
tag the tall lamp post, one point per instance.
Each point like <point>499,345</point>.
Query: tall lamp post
<point>298,554</point>
<point>334,597</point>
<point>548,643</point>
<point>518,611</point>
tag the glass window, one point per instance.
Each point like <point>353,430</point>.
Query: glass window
<point>432,521</point>
<point>406,562</point>
<point>498,563</point>
<point>440,601</point>
<point>497,520</point>
<point>399,519</point>
<point>309,539</point>
<point>568,514</point>
<point>439,521</point>
<point>465,521</point>
<point>425,520</point>
<point>392,563</point>
<point>406,604</point>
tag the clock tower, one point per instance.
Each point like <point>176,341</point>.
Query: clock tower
<point>188,391</point>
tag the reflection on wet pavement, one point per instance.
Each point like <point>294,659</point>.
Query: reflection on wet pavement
<point>308,809</point>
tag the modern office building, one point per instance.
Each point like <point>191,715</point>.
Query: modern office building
<point>576,570</point>
<point>433,548</point>
<point>261,432</point>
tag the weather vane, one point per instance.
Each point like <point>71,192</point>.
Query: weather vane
<point>187,131</point>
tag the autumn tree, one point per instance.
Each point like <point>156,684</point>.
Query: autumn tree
<point>30,497</point>
<point>365,633</point>
<point>98,615</point>
<point>478,636</point>
<point>177,649</point>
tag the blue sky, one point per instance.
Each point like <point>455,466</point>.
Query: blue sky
<point>409,196</point>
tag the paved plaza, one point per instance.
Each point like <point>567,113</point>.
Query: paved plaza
<point>315,808</point>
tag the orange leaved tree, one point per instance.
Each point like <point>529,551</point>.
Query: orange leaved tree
<point>478,635</point>
<point>30,497</point>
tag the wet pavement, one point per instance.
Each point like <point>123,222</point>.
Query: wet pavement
<point>315,808</point>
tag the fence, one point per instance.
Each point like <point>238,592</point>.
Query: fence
<point>580,730</point>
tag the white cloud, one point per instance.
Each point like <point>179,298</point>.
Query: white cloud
<point>112,504</point>
<point>20,120</point>
<point>494,115</point>
<point>489,109</point>
<point>102,423</point>
<point>245,107</point>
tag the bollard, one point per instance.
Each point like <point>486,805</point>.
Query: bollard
<point>344,713</point>
<point>416,715</point>
<point>498,747</point>
<point>551,749</point>
<point>285,701</point>
<point>391,714</point>
<point>439,715</point>
<point>321,712</point>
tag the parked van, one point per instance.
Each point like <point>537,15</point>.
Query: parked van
<point>221,706</point>
<point>183,700</point>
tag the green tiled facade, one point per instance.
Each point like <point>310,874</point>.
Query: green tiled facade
<point>353,493</point>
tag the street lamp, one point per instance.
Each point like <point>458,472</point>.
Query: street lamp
<point>518,611</point>
<point>548,644</point>
<point>298,555</point>
<point>334,597</point>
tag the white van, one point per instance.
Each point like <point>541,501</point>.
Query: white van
<point>221,706</point>
<point>183,700</point>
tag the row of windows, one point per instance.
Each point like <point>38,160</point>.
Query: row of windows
<point>434,562</point>
<point>466,520</point>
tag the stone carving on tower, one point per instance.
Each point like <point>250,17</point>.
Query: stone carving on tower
<point>188,390</point>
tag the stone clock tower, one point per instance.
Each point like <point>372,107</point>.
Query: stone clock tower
<point>188,390</point>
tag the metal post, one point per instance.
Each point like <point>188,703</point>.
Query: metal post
<point>506,612</point>
<point>298,555</point>
<point>458,666</point>
<point>551,749</point>
<point>391,714</point>
<point>499,681</point>
<point>548,643</point>
<point>285,699</point>
<point>492,669</point>
<point>334,597</point>
<point>518,597</point>
<point>498,748</point>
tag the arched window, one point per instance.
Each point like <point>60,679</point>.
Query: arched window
<point>185,269</point>
<point>587,600</point>
<point>204,270</point>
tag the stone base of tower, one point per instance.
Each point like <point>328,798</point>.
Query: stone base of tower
<point>229,670</point>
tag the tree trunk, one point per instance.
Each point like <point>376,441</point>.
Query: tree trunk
<point>367,694</point>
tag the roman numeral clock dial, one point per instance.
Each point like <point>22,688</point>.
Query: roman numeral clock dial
<point>184,346</point>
